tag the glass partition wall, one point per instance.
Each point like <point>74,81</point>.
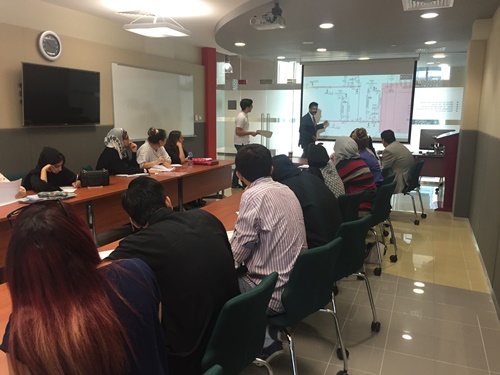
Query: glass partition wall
<point>274,88</point>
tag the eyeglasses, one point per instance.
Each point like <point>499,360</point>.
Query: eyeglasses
<point>11,218</point>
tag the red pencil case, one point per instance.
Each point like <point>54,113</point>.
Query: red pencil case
<point>205,161</point>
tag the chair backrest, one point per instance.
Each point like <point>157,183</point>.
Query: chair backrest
<point>414,177</point>
<point>13,176</point>
<point>388,179</point>
<point>87,167</point>
<point>238,335</point>
<point>352,256</point>
<point>349,205</point>
<point>309,287</point>
<point>214,370</point>
<point>381,207</point>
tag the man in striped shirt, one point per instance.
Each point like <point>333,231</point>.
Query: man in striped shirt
<point>269,233</point>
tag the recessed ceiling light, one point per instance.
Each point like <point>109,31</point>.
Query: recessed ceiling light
<point>326,25</point>
<point>280,57</point>
<point>307,42</point>
<point>430,63</point>
<point>431,42</point>
<point>439,56</point>
<point>239,44</point>
<point>364,58</point>
<point>321,49</point>
<point>429,15</point>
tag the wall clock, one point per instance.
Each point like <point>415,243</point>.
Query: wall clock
<point>50,45</point>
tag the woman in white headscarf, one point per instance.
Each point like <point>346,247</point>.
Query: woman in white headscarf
<point>353,171</point>
<point>114,157</point>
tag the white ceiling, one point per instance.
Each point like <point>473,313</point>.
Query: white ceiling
<point>374,28</point>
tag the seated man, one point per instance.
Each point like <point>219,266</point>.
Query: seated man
<point>269,233</point>
<point>191,257</point>
<point>321,210</point>
<point>397,157</point>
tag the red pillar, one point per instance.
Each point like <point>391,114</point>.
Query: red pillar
<point>209,61</point>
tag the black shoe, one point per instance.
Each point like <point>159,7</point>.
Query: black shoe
<point>272,351</point>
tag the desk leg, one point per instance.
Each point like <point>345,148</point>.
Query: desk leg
<point>90,220</point>
<point>180,197</point>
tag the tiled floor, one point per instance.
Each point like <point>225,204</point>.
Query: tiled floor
<point>450,323</point>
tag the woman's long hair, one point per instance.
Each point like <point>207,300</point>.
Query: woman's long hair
<point>62,321</point>
<point>172,139</point>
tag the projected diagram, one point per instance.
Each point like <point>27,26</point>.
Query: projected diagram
<point>376,102</point>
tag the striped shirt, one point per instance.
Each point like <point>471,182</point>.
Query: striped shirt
<point>269,234</point>
<point>356,177</point>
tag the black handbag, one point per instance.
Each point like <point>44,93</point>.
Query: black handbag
<point>94,178</point>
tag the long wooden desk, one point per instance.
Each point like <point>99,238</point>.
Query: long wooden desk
<point>225,210</point>
<point>101,206</point>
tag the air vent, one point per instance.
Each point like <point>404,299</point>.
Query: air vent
<point>430,50</point>
<point>426,4</point>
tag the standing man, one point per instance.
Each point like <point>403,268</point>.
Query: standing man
<point>309,128</point>
<point>191,257</point>
<point>269,233</point>
<point>397,157</point>
<point>241,133</point>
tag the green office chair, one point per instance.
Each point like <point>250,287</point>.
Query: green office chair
<point>214,370</point>
<point>381,211</point>
<point>349,205</point>
<point>13,176</point>
<point>242,317</point>
<point>388,179</point>
<point>308,290</point>
<point>414,184</point>
<point>351,260</point>
<point>87,167</point>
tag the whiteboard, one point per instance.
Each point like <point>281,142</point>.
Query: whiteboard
<point>144,98</point>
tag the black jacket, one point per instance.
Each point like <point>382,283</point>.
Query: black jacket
<point>110,160</point>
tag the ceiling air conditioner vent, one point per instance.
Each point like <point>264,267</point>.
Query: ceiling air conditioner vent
<point>430,50</point>
<point>426,4</point>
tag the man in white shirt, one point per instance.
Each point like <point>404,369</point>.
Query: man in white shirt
<point>241,133</point>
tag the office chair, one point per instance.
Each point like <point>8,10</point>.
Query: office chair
<point>351,260</point>
<point>238,335</point>
<point>349,205</point>
<point>413,184</point>
<point>309,290</point>
<point>214,370</point>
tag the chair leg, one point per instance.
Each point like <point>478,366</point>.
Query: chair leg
<point>375,323</point>
<point>414,209</point>
<point>378,270</point>
<point>292,351</point>
<point>393,258</point>
<point>260,362</point>
<point>423,215</point>
<point>342,352</point>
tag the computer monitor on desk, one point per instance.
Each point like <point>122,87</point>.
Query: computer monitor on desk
<point>428,138</point>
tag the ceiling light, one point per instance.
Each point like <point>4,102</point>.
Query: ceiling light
<point>228,68</point>
<point>239,44</point>
<point>364,58</point>
<point>280,57</point>
<point>439,56</point>
<point>430,42</point>
<point>156,29</point>
<point>321,49</point>
<point>430,63</point>
<point>429,15</point>
<point>326,25</point>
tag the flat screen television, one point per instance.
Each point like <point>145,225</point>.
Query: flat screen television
<point>60,96</point>
<point>427,137</point>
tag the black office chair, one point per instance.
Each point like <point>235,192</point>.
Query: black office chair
<point>413,184</point>
<point>308,290</point>
<point>349,205</point>
<point>243,316</point>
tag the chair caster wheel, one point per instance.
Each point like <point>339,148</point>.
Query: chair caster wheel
<point>416,222</point>
<point>391,241</point>
<point>335,290</point>
<point>375,326</point>
<point>423,216</point>
<point>342,372</point>
<point>377,271</point>
<point>386,233</point>
<point>393,258</point>
<point>339,354</point>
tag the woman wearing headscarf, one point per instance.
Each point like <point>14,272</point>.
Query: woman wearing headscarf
<point>363,141</point>
<point>353,171</point>
<point>50,173</point>
<point>320,165</point>
<point>114,157</point>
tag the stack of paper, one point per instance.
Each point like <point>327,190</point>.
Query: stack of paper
<point>8,191</point>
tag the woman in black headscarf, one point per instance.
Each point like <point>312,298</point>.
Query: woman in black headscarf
<point>50,173</point>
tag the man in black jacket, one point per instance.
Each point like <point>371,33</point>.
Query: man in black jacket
<point>320,208</point>
<point>190,255</point>
<point>309,128</point>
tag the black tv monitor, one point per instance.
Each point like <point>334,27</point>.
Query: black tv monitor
<point>427,137</point>
<point>60,96</point>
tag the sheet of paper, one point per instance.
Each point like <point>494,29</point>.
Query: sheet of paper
<point>132,175</point>
<point>176,165</point>
<point>8,191</point>
<point>304,166</point>
<point>161,168</point>
<point>105,253</point>
<point>69,189</point>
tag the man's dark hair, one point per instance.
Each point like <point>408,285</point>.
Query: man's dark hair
<point>143,197</point>
<point>245,103</point>
<point>253,162</point>
<point>313,104</point>
<point>388,136</point>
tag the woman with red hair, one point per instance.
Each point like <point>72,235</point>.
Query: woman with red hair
<point>72,313</point>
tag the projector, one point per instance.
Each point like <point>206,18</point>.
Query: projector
<point>268,22</point>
